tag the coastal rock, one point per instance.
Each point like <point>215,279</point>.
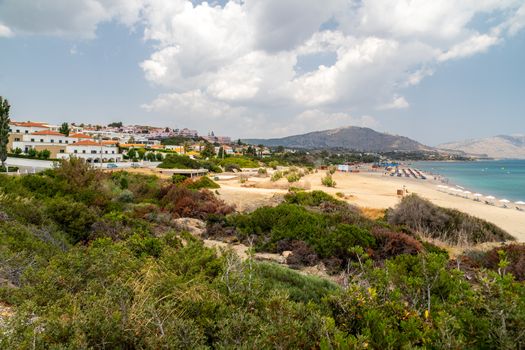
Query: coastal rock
<point>195,227</point>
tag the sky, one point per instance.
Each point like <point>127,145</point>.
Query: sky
<point>435,71</point>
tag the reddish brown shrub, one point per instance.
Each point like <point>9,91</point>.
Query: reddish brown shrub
<point>301,255</point>
<point>390,244</point>
<point>515,254</point>
<point>195,204</point>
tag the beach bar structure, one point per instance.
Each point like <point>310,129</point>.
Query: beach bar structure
<point>189,172</point>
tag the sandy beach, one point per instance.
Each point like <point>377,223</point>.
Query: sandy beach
<point>371,190</point>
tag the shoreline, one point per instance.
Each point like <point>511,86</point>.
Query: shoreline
<point>452,182</point>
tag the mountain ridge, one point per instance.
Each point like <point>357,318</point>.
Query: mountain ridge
<point>350,137</point>
<point>500,146</point>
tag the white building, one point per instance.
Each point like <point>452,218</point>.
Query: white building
<point>93,151</point>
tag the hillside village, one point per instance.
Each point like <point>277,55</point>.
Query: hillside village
<point>116,143</point>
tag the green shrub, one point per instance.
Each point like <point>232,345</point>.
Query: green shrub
<point>276,176</point>
<point>328,181</point>
<point>200,183</point>
<point>241,162</point>
<point>175,161</point>
<point>178,178</point>
<point>313,198</point>
<point>293,177</point>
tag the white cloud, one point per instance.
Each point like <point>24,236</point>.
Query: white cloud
<point>398,102</point>
<point>240,60</point>
<point>78,18</point>
<point>5,31</point>
<point>476,44</point>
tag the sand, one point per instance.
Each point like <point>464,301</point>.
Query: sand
<point>372,190</point>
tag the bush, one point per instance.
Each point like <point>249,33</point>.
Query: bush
<point>262,171</point>
<point>506,259</point>
<point>178,178</point>
<point>276,176</point>
<point>174,161</point>
<point>447,225</point>
<point>328,181</point>
<point>273,164</point>
<point>10,169</point>
<point>232,168</point>
<point>293,177</point>
<point>184,202</point>
<point>312,199</point>
<point>200,183</point>
<point>241,162</point>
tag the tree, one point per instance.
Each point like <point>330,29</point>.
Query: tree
<point>4,129</point>
<point>64,129</point>
<point>115,125</point>
<point>221,153</point>
<point>208,151</point>
<point>140,153</point>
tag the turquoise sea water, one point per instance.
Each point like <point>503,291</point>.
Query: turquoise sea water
<point>499,178</point>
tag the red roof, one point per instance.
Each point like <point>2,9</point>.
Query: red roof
<point>80,136</point>
<point>48,132</point>
<point>30,124</point>
<point>86,143</point>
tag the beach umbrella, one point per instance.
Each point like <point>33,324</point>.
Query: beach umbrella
<point>478,195</point>
<point>490,197</point>
<point>504,201</point>
<point>460,187</point>
<point>520,203</point>
<point>467,192</point>
<point>442,186</point>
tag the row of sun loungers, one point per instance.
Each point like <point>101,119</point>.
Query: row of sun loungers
<point>413,173</point>
<point>520,206</point>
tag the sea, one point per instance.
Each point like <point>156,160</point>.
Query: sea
<point>498,178</point>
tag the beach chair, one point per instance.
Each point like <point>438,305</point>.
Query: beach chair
<point>520,209</point>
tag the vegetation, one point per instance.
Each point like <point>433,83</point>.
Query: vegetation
<point>115,125</point>
<point>447,225</point>
<point>200,183</point>
<point>328,181</point>
<point>93,260</point>
<point>240,162</point>
<point>175,161</point>
<point>4,129</point>
<point>64,129</point>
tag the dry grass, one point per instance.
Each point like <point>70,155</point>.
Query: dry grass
<point>373,213</point>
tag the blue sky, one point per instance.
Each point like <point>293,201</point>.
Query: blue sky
<point>435,73</point>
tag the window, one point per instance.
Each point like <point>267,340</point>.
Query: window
<point>112,152</point>
<point>18,131</point>
<point>52,141</point>
<point>41,140</point>
<point>94,152</point>
<point>83,151</point>
<point>17,139</point>
<point>106,152</point>
<point>61,151</point>
<point>27,131</point>
<point>75,151</point>
<point>32,140</point>
<point>59,141</point>
<point>67,141</point>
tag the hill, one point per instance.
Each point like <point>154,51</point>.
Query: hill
<point>502,146</point>
<point>350,138</point>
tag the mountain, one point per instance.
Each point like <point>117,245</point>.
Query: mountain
<point>502,146</point>
<point>351,138</point>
